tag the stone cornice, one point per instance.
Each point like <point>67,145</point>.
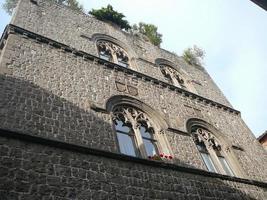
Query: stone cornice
<point>12,29</point>
<point>116,156</point>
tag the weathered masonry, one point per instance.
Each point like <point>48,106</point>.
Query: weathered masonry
<point>88,111</point>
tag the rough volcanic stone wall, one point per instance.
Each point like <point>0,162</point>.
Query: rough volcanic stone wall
<point>48,19</point>
<point>32,171</point>
<point>49,92</point>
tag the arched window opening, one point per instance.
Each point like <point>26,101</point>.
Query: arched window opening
<point>135,132</point>
<point>113,53</point>
<point>211,151</point>
<point>172,76</point>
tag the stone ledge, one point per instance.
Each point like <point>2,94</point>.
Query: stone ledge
<point>86,150</point>
<point>12,29</point>
<point>178,131</point>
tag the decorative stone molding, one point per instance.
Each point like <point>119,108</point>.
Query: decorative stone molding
<point>122,87</point>
<point>173,75</point>
<point>203,135</point>
<point>159,122</point>
<point>112,49</point>
<point>131,115</point>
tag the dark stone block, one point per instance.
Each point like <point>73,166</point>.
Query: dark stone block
<point>54,181</point>
<point>22,186</point>
<point>3,172</point>
<point>4,151</point>
<point>22,175</point>
<point>6,184</point>
<point>7,195</point>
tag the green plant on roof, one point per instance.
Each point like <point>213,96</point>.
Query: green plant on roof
<point>150,31</point>
<point>108,14</point>
<point>194,56</point>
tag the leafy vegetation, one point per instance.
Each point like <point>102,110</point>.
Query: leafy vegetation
<point>10,5</point>
<point>108,14</point>
<point>194,56</point>
<point>150,31</point>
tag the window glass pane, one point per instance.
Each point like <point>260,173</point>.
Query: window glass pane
<point>150,147</point>
<point>202,148</point>
<point>104,55</point>
<point>126,144</point>
<point>144,132</point>
<point>208,162</point>
<point>225,166</point>
<point>119,125</point>
<point>123,64</point>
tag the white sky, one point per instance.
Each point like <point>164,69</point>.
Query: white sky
<point>232,32</point>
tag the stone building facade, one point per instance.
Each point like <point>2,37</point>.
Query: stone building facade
<point>88,111</point>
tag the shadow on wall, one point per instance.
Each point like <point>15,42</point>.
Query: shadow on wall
<point>27,108</point>
<point>35,171</point>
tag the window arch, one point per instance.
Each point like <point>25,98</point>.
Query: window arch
<point>175,75</point>
<point>172,76</point>
<point>139,128</point>
<point>111,52</point>
<point>135,132</point>
<point>211,151</point>
<point>214,149</point>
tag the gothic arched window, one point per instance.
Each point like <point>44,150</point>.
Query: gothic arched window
<point>211,151</point>
<point>172,76</point>
<point>135,133</point>
<point>113,53</point>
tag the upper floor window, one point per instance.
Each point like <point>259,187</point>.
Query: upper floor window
<point>135,133</point>
<point>172,76</point>
<point>211,151</point>
<point>113,53</point>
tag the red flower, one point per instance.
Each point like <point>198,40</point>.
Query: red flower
<point>166,156</point>
<point>161,155</point>
<point>170,157</point>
